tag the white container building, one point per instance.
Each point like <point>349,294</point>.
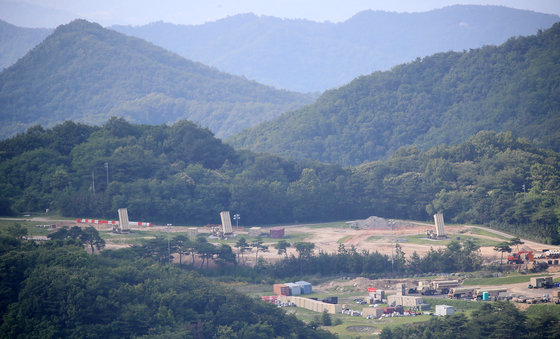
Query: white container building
<point>443,310</point>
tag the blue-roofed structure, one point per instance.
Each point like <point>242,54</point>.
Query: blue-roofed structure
<point>306,287</point>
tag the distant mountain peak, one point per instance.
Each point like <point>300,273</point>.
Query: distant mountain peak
<point>308,56</point>
<point>86,73</point>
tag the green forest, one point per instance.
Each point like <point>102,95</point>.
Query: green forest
<point>57,290</point>
<point>492,320</point>
<point>441,99</point>
<point>86,73</point>
<point>182,174</point>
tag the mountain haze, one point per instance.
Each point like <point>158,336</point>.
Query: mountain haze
<point>444,98</point>
<point>85,73</point>
<point>15,42</point>
<point>308,56</point>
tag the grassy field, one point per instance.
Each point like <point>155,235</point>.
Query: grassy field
<point>354,327</point>
<point>375,238</point>
<point>459,305</point>
<point>513,279</point>
<point>336,224</point>
<point>343,239</point>
<point>475,230</point>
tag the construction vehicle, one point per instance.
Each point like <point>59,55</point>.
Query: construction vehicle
<point>437,286</point>
<point>520,257</point>
<point>542,282</point>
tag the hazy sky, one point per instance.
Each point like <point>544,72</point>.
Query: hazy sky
<point>50,13</point>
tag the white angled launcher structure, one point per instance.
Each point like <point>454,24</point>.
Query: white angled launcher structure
<point>227,229</point>
<point>440,231</point>
<point>124,227</point>
<point>439,228</point>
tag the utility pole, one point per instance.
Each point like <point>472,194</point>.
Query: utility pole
<point>391,222</point>
<point>168,245</point>
<point>236,217</point>
<point>107,167</point>
<point>93,181</point>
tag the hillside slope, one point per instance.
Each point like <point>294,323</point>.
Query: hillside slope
<point>308,56</point>
<point>444,98</point>
<point>15,42</point>
<point>86,73</point>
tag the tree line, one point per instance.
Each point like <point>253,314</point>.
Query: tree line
<point>492,320</point>
<point>56,290</point>
<point>182,174</point>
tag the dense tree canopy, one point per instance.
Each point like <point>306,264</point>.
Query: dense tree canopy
<point>441,99</point>
<point>56,290</point>
<point>181,174</point>
<point>492,320</point>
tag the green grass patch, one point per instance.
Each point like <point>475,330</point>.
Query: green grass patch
<point>479,231</point>
<point>343,239</point>
<point>460,305</point>
<point>514,279</point>
<point>420,239</point>
<point>342,329</point>
<point>336,224</point>
<point>375,238</point>
<point>399,321</point>
<point>29,225</point>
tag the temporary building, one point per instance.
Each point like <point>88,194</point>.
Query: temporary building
<point>444,310</point>
<point>276,233</point>
<point>404,300</point>
<point>295,289</point>
<point>306,287</point>
<point>281,289</point>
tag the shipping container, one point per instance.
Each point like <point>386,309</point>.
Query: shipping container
<point>443,310</point>
<point>295,289</point>
<point>280,289</point>
<point>306,287</point>
<point>277,233</point>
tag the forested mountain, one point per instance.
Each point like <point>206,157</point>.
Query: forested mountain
<point>15,42</point>
<point>181,174</point>
<point>308,56</point>
<point>56,290</point>
<point>444,98</point>
<point>86,73</point>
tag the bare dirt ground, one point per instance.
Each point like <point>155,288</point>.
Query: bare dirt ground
<point>328,239</point>
<point>379,235</point>
<point>375,237</point>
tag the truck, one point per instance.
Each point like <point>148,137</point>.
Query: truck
<point>461,292</point>
<point>541,282</point>
<point>556,297</point>
<point>437,286</point>
<point>493,293</point>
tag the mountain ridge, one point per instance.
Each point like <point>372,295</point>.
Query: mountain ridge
<point>441,99</point>
<point>294,53</point>
<point>16,41</point>
<point>87,73</point>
